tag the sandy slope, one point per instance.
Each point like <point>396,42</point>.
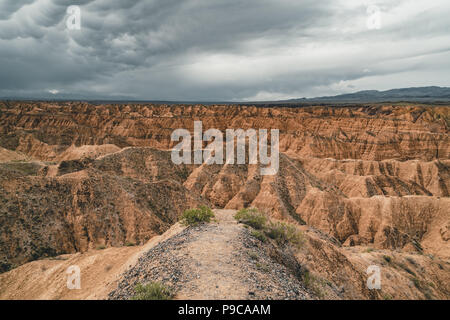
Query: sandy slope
<point>100,269</point>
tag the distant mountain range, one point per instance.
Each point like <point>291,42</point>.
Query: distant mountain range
<point>420,94</point>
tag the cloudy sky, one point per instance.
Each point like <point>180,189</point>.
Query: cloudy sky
<point>225,50</point>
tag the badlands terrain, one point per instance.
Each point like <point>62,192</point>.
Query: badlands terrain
<point>94,186</point>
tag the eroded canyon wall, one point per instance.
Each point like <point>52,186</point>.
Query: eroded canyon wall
<point>76,175</point>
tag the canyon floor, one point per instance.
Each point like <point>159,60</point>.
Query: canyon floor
<point>94,186</point>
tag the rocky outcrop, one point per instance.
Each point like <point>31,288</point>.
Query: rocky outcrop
<point>119,199</point>
<point>45,130</point>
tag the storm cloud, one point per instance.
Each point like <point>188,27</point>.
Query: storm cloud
<point>221,50</point>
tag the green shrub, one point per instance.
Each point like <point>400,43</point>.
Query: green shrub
<point>258,235</point>
<point>387,296</point>
<point>253,255</point>
<point>130,244</point>
<point>193,217</point>
<point>276,232</point>
<point>314,283</point>
<point>428,295</point>
<point>101,247</point>
<point>279,231</point>
<point>294,236</point>
<point>284,233</point>
<point>152,291</point>
<point>416,283</point>
<point>388,259</point>
<point>307,278</point>
<point>263,267</point>
<point>252,218</point>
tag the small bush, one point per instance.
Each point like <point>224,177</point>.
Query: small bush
<point>284,233</point>
<point>194,217</point>
<point>279,231</point>
<point>101,247</point>
<point>387,296</point>
<point>263,267</point>
<point>252,218</point>
<point>388,259</point>
<point>276,232</point>
<point>428,295</point>
<point>253,255</point>
<point>314,283</point>
<point>258,235</point>
<point>130,244</point>
<point>416,283</point>
<point>152,291</point>
<point>307,278</point>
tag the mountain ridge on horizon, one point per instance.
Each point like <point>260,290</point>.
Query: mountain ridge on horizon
<point>414,94</point>
<point>408,94</point>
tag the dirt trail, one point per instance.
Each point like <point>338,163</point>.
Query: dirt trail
<point>215,259</point>
<point>219,260</point>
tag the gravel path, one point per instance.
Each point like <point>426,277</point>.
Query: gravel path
<point>220,260</point>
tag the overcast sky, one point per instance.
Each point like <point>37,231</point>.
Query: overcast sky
<point>223,50</point>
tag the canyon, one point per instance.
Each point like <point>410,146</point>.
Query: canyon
<point>362,182</point>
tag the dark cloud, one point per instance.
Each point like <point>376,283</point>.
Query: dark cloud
<point>220,49</point>
<point>8,7</point>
